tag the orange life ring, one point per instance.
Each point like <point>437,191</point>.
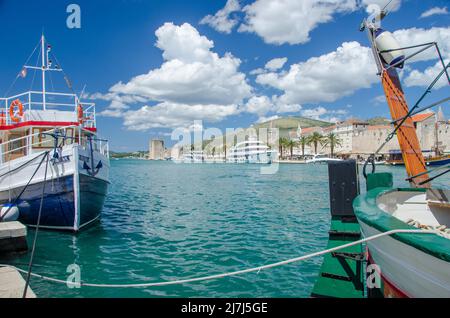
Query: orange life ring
<point>80,114</point>
<point>15,117</point>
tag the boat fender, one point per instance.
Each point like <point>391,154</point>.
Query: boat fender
<point>385,41</point>
<point>9,212</point>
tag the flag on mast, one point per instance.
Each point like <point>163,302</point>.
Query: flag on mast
<point>23,72</point>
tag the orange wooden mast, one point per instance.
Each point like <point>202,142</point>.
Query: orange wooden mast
<point>400,112</point>
<point>406,133</point>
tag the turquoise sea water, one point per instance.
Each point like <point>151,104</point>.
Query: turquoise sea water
<point>165,221</point>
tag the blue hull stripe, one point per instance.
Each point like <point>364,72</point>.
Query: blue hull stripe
<point>58,207</point>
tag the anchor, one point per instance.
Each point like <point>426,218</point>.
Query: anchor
<point>95,171</point>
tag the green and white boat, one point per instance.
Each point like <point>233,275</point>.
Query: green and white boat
<point>413,264</point>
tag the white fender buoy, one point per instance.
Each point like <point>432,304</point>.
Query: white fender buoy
<point>12,214</point>
<point>385,41</point>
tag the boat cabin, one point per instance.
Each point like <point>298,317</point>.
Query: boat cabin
<point>35,121</point>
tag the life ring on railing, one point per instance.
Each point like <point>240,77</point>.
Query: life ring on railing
<point>80,114</point>
<point>2,118</point>
<point>16,116</point>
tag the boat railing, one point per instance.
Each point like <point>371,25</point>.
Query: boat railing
<point>35,104</point>
<point>26,143</point>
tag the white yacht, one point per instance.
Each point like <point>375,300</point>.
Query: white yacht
<point>251,151</point>
<point>321,158</point>
<point>195,156</point>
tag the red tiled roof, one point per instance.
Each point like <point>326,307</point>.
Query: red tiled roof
<point>421,117</point>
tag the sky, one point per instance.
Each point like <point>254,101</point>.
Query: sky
<point>155,66</point>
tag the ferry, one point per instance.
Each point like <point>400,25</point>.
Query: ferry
<point>410,265</point>
<point>251,151</point>
<point>49,150</point>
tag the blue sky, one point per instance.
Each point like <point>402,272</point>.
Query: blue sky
<point>327,72</point>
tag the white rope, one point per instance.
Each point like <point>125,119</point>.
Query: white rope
<point>254,269</point>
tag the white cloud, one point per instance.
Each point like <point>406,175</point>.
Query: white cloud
<point>263,119</point>
<point>393,6</point>
<point>221,20</point>
<point>434,11</point>
<point>380,99</point>
<point>191,75</point>
<point>325,78</point>
<point>262,105</point>
<point>259,105</point>
<point>424,78</point>
<point>175,115</point>
<point>275,64</point>
<point>413,36</point>
<point>257,71</point>
<point>290,21</point>
<point>321,113</point>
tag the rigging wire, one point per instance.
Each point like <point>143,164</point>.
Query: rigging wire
<point>23,190</point>
<point>18,75</point>
<point>30,265</point>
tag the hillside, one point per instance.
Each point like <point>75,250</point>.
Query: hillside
<point>292,123</point>
<point>379,121</point>
<point>287,124</point>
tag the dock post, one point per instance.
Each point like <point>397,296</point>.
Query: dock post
<point>341,274</point>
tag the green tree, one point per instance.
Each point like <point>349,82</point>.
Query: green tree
<point>332,140</point>
<point>282,144</point>
<point>303,141</point>
<point>316,139</point>
<point>291,144</point>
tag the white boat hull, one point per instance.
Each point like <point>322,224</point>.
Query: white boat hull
<point>74,195</point>
<point>412,272</point>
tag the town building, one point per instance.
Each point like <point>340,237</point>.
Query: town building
<point>360,139</point>
<point>157,150</point>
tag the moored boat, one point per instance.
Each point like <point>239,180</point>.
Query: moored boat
<point>414,264</point>
<point>251,151</point>
<point>49,143</point>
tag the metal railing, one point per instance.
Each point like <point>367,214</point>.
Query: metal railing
<point>25,145</point>
<point>37,101</point>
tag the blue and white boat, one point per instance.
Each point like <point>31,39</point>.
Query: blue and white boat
<point>76,175</point>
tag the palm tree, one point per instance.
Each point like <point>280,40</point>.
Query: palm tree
<point>291,144</point>
<point>303,141</point>
<point>282,142</point>
<point>332,140</point>
<point>315,139</point>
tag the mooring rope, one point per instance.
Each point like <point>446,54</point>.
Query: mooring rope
<point>216,276</point>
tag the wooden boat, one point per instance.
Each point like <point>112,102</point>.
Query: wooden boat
<point>433,161</point>
<point>410,265</point>
<point>63,128</point>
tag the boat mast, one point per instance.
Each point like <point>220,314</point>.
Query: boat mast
<point>406,132</point>
<point>43,70</point>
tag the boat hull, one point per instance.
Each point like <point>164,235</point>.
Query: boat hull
<point>405,270</point>
<point>438,162</point>
<point>74,195</point>
<point>59,210</point>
